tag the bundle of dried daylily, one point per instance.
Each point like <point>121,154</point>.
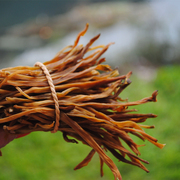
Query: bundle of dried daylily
<point>78,96</point>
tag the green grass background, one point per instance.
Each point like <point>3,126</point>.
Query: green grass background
<point>47,156</point>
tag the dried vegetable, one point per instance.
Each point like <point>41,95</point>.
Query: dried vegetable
<point>75,94</point>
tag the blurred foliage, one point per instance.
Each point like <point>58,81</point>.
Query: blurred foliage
<point>158,53</point>
<point>155,51</point>
<point>47,156</point>
<point>168,78</point>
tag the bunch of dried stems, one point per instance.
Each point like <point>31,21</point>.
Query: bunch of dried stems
<point>79,96</point>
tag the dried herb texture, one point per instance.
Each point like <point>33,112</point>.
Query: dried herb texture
<point>90,108</point>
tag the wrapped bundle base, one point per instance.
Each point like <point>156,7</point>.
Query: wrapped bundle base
<point>75,94</point>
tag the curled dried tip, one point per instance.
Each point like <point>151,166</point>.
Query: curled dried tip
<point>148,127</point>
<point>152,115</point>
<point>154,95</point>
<point>161,146</point>
<point>127,80</point>
<point>81,34</point>
<point>128,74</point>
<point>109,44</point>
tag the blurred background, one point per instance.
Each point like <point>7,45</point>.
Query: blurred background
<point>147,41</point>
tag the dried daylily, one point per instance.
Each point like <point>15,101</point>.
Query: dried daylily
<point>79,96</point>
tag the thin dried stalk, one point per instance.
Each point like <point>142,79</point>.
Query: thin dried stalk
<point>88,98</point>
